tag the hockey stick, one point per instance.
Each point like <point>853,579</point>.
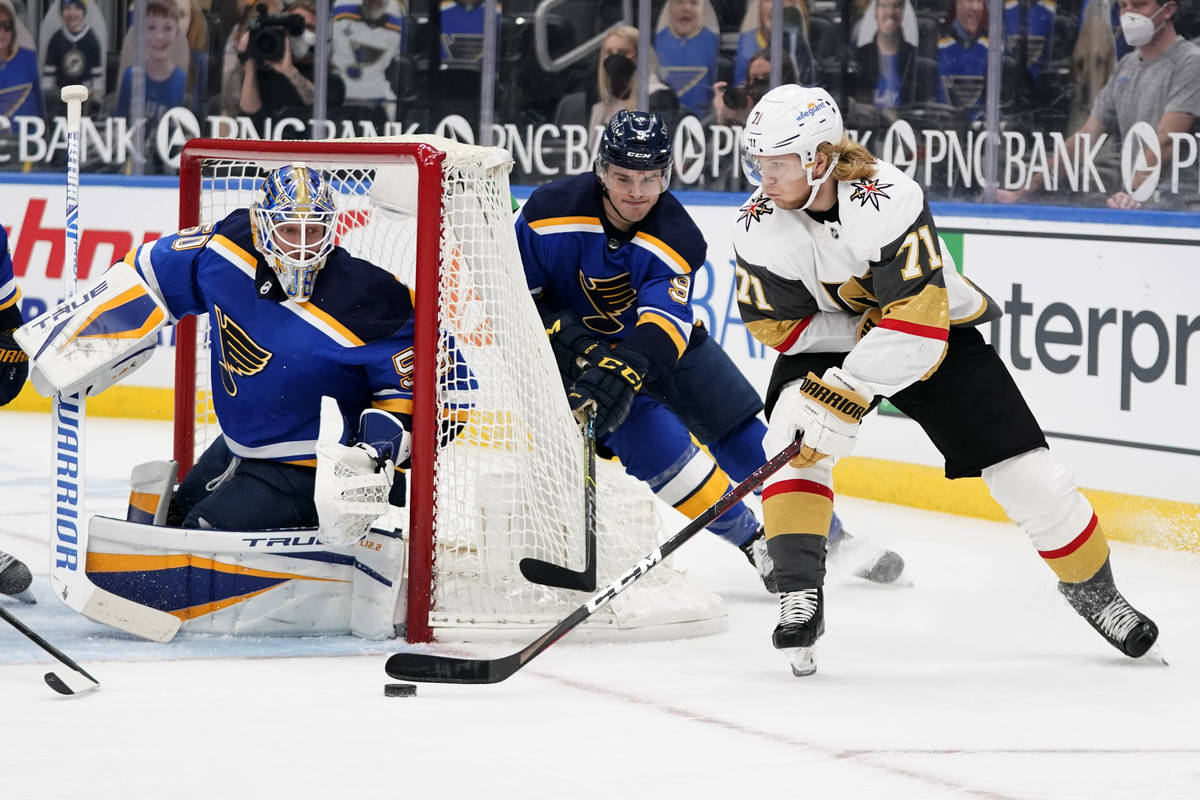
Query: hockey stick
<point>53,681</point>
<point>547,574</point>
<point>68,553</point>
<point>448,669</point>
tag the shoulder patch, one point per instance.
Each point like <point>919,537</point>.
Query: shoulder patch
<point>755,209</point>
<point>870,190</point>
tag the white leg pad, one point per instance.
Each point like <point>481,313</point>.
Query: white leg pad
<point>151,486</point>
<point>378,605</point>
<point>1040,495</point>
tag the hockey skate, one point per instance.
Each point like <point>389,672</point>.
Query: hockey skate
<point>15,578</point>
<point>801,623</point>
<point>1098,601</point>
<point>756,552</point>
<point>871,563</point>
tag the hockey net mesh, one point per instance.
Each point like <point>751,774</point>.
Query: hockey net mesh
<point>510,484</point>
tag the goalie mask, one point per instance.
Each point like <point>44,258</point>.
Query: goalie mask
<point>294,225</point>
<point>792,119</point>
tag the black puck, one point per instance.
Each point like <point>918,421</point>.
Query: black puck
<point>399,689</point>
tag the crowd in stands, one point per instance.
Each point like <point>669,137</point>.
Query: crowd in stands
<point>415,61</point>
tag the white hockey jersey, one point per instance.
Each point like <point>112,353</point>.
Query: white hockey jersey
<point>804,276</point>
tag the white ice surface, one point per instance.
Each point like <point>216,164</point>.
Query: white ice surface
<point>977,681</point>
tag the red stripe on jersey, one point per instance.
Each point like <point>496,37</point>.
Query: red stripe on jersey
<point>787,343</point>
<point>798,485</point>
<point>1071,546</point>
<point>927,331</point>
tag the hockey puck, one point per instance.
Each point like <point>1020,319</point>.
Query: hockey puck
<point>399,689</point>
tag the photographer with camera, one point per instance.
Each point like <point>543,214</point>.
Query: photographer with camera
<point>277,53</point>
<point>731,104</point>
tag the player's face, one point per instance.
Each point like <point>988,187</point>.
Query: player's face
<point>784,180</point>
<point>72,16</point>
<point>299,240</point>
<point>686,17</point>
<point>632,193</point>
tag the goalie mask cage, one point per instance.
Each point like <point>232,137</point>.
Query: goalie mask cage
<point>438,215</point>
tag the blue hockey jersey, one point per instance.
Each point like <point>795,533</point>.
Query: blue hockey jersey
<point>1036,18</point>
<point>689,66</point>
<point>962,71</point>
<point>632,287</point>
<point>10,295</point>
<point>272,359</point>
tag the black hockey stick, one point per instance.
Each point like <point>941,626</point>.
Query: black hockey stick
<point>448,669</point>
<point>543,572</point>
<point>53,681</point>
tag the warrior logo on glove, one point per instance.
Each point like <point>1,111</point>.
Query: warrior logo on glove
<point>847,406</point>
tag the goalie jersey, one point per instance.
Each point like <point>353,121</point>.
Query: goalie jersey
<point>877,248</point>
<point>632,287</point>
<point>271,358</point>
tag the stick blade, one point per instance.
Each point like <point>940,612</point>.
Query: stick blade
<point>76,685</point>
<point>429,668</point>
<point>547,574</point>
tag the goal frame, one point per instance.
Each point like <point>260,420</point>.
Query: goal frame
<point>428,161</point>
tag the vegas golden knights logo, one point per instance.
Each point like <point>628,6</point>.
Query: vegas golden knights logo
<point>240,355</point>
<point>610,297</point>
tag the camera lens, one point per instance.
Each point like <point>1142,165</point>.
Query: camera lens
<point>735,98</point>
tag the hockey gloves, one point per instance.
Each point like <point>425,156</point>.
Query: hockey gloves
<point>572,342</point>
<point>828,410</point>
<point>610,386</point>
<point>14,367</point>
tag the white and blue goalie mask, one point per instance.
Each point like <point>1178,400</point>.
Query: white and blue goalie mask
<point>294,226</point>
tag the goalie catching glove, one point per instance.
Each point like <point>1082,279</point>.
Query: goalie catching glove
<point>827,410</point>
<point>610,387</point>
<point>353,483</point>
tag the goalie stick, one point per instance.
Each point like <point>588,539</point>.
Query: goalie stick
<point>432,668</point>
<point>53,681</point>
<point>68,551</point>
<point>547,574</point>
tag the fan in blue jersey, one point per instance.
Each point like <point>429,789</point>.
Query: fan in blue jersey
<point>294,317</point>
<point>1029,31</point>
<point>687,43</point>
<point>20,95</point>
<point>610,259</point>
<point>962,57</point>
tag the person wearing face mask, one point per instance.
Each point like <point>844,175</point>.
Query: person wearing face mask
<point>368,38</point>
<point>1157,83</point>
<point>616,75</point>
<point>272,89</point>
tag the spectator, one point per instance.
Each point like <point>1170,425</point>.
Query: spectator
<point>20,93</point>
<point>865,27</point>
<point>368,37</point>
<point>731,105</point>
<point>284,87</point>
<point>962,57</point>
<point>1092,62</point>
<point>232,66</point>
<point>462,31</point>
<point>1158,83</point>
<point>195,30</point>
<point>687,44</point>
<point>756,36</point>
<point>616,76</point>
<point>165,81</point>
<point>74,54</point>
<point>887,74</point>
<point>1029,33</point>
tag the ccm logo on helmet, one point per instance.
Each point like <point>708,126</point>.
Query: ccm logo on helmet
<point>812,110</point>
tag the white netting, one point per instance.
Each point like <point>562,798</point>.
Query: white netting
<point>510,485</point>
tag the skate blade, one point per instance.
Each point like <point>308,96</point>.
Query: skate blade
<point>803,660</point>
<point>1155,656</point>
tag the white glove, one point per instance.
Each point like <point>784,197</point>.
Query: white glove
<point>828,411</point>
<point>351,491</point>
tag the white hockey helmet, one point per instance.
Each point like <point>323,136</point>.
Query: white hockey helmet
<point>792,119</point>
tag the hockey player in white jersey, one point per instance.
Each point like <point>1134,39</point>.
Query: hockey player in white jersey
<point>832,228</point>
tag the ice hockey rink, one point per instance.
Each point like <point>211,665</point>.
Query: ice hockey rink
<point>975,681</point>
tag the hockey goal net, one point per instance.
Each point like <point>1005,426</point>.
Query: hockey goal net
<point>510,485</point>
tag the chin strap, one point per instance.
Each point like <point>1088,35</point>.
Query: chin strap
<point>815,185</point>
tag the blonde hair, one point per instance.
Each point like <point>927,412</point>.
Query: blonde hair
<point>629,35</point>
<point>855,162</point>
<point>1092,62</point>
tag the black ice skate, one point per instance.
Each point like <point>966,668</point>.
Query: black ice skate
<point>1098,601</point>
<point>801,623</point>
<point>15,578</point>
<point>871,563</point>
<point>756,551</point>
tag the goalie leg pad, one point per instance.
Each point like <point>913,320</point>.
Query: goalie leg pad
<point>378,606</point>
<point>151,486</point>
